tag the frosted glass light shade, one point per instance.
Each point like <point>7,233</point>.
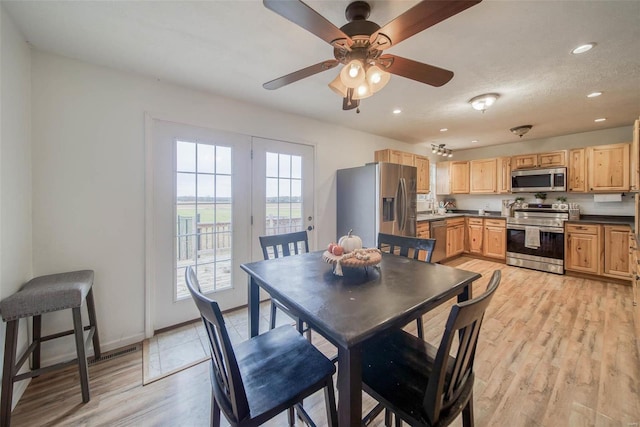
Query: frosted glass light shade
<point>377,78</point>
<point>482,102</point>
<point>352,74</point>
<point>362,91</point>
<point>338,87</point>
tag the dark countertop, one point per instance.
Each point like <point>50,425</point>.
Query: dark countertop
<point>605,219</point>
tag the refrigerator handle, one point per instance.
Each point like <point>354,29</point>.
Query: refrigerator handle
<point>398,206</point>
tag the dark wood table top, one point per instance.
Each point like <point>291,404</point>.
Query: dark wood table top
<point>349,309</point>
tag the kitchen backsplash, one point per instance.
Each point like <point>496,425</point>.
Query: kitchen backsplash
<point>493,202</point>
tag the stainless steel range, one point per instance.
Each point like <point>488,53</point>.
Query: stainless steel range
<point>535,238</point>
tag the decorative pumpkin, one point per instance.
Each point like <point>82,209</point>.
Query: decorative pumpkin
<point>337,250</point>
<point>350,242</point>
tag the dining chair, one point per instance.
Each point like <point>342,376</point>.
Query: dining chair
<point>258,379</point>
<point>278,246</point>
<point>421,384</point>
<point>410,247</point>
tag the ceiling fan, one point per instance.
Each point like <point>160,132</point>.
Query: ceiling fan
<point>359,45</point>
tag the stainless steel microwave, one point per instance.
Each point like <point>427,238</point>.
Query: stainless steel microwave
<point>536,180</point>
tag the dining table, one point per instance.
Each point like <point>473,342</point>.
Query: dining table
<point>347,310</point>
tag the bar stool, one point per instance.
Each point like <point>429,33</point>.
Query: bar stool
<point>46,294</point>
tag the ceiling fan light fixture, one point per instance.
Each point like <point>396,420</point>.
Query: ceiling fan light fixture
<point>484,101</point>
<point>352,74</point>
<point>362,91</point>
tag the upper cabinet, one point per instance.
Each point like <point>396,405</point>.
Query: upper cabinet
<point>422,164</point>
<point>504,175</point>
<point>577,172</point>
<point>608,167</point>
<point>452,178</point>
<point>483,176</point>
<point>408,159</point>
<point>635,158</point>
<point>539,160</point>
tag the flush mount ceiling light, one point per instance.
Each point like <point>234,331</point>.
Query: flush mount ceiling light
<point>583,48</point>
<point>520,130</point>
<point>441,151</point>
<point>482,102</point>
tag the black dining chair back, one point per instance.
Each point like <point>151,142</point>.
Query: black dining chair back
<point>409,247</point>
<point>424,385</point>
<point>257,379</point>
<point>278,246</point>
<point>281,245</point>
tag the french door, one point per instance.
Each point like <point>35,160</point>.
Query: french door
<point>213,194</point>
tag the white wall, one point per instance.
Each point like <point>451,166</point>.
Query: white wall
<point>15,170</point>
<point>88,173</point>
<point>525,146</point>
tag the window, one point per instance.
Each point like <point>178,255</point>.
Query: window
<point>203,215</point>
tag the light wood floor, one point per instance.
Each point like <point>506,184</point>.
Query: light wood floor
<point>553,351</point>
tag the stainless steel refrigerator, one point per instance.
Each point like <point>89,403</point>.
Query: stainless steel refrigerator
<point>377,197</point>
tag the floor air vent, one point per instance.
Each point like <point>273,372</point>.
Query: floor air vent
<point>115,354</point>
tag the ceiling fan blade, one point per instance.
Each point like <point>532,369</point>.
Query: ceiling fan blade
<point>415,70</point>
<point>300,74</point>
<point>420,17</point>
<point>299,13</point>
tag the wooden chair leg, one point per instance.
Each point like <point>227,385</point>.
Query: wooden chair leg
<point>37,334</point>
<point>82,357</point>
<point>467,413</point>
<point>273,316</point>
<point>330,405</point>
<point>91,308</point>
<point>10,348</point>
<point>420,328</point>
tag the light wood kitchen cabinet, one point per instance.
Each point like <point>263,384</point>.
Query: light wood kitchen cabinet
<point>608,167</point>
<point>459,177</point>
<point>504,175</point>
<point>582,251</point>
<point>577,180</point>
<point>475,231</point>
<point>455,237</point>
<point>635,158</point>
<point>422,164</point>
<point>483,176</point>
<point>443,182</point>
<point>423,231</point>
<point>394,156</point>
<point>494,240</point>
<point>539,160</point>
<point>616,251</point>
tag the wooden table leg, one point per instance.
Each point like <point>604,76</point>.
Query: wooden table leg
<point>254,307</point>
<point>349,386</point>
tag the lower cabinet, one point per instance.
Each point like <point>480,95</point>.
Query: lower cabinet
<point>455,237</point>
<point>602,250</point>
<point>495,238</point>
<point>475,232</point>
<point>423,232</point>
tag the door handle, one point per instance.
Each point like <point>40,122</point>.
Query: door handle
<point>309,228</point>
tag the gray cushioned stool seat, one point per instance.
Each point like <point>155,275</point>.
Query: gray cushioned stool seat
<point>41,295</point>
<point>48,293</point>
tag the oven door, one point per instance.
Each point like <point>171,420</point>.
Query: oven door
<point>551,242</point>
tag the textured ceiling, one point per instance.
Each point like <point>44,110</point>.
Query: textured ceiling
<point>519,49</point>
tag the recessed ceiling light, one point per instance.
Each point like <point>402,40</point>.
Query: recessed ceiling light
<point>474,140</point>
<point>583,48</point>
<point>444,130</point>
<point>594,94</point>
<point>601,119</point>
<point>397,111</point>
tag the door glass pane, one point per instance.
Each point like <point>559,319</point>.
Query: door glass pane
<point>203,215</point>
<point>284,199</point>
